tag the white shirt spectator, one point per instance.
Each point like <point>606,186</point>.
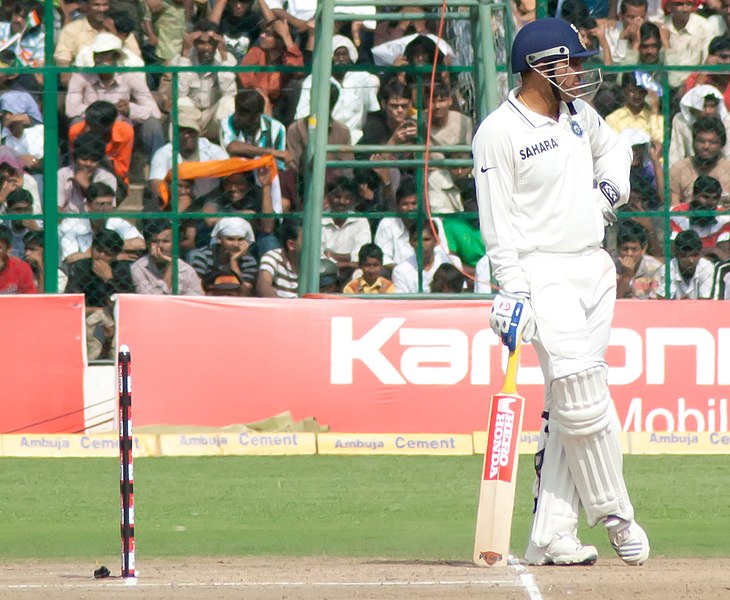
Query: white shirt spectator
<point>285,279</point>
<point>688,46</point>
<point>392,237</point>
<point>405,274</point>
<point>31,142</point>
<point>387,52</point>
<point>76,235</point>
<point>347,238</point>
<point>207,150</point>
<point>700,286</point>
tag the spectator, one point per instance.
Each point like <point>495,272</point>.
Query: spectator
<point>720,21</point>
<point>690,275</point>
<point>406,274</point>
<point>102,119</point>
<point>636,112</point>
<point>713,230</point>
<point>25,33</point>
<point>99,277</point>
<point>231,239</point>
<point>643,198</point>
<point>297,136</point>
<point>595,38</point>
<point>82,32</point>
<point>637,273</point>
<point>483,277</point>
<point>721,282</point>
<point>223,283</point>
<point>212,92</point>
<point>392,232</point>
<point>278,275</point>
<point>447,279</point>
<point>358,90</point>
<point>20,202</point>
<point>700,101</point>
<point>343,235</point>
<point>329,277</point>
<point>192,147</point>
<point>16,276</point>
<point>127,91</point>
<point>718,54</point>
<point>370,263</point>
<point>708,139</point>
<point>76,234</point>
<point>624,34</point>
<point>689,37</point>
<point>152,274</point>
<point>12,177</point>
<point>164,26</point>
<point>646,160</point>
<point>74,180</point>
<point>652,39</point>
<point>23,128</point>
<point>238,22</point>
<point>274,47</point>
<point>34,244</point>
<point>125,57</point>
<point>197,231</point>
<point>250,132</point>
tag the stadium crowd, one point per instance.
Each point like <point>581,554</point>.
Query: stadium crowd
<point>115,150</point>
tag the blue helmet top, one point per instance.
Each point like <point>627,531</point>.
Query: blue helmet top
<point>536,38</point>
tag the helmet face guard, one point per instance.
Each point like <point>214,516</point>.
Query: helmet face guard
<point>554,65</point>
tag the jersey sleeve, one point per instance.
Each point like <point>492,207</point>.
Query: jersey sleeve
<point>494,174</point>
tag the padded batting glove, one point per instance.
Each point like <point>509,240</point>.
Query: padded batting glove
<point>512,318</point>
<point>607,196</point>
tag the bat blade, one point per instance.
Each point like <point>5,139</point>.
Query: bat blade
<point>499,476</point>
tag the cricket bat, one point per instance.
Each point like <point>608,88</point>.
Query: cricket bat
<point>499,475</point>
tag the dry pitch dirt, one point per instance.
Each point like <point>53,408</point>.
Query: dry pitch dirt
<point>344,579</point>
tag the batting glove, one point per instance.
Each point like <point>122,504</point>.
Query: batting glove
<point>512,318</point>
<point>607,195</point>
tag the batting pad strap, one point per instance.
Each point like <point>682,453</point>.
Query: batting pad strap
<point>582,403</point>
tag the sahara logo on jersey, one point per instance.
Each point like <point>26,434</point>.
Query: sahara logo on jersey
<point>539,148</point>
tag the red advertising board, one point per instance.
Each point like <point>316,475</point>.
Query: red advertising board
<point>402,365</point>
<point>42,368</point>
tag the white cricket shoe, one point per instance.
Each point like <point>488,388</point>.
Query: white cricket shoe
<point>628,539</point>
<point>565,549</point>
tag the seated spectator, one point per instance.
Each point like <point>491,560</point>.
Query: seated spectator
<point>624,33</point>
<point>127,91</point>
<point>689,37</point>
<point>191,147</point>
<point>231,239</point>
<point>25,33</point>
<point>82,32</point>
<point>392,232</point>
<point>329,277</point>
<point>100,277</point>
<point>720,21</point>
<point>371,281</point>
<point>721,282</point>
<point>223,283</point>
<point>212,92</point>
<point>76,234</point>
<point>20,202</point>
<point>34,244</point>
<point>718,54</point>
<point>358,90</point>
<point>16,276</point>
<point>637,273</point>
<point>297,136</point>
<point>125,57</point>
<point>250,132</point>
<point>406,273</point>
<point>700,101</point>
<point>642,198</point>
<point>652,39</point>
<point>278,275</point>
<point>690,275</point>
<point>74,180</point>
<point>164,25</point>
<point>343,236</point>
<point>152,274</point>
<point>239,24</point>
<point>102,119</point>
<point>708,139</point>
<point>636,112</point>
<point>646,159</point>
<point>274,47</point>
<point>12,177</point>
<point>713,230</point>
<point>447,279</point>
<point>23,128</point>
<point>594,35</point>
<point>413,50</point>
<point>196,232</point>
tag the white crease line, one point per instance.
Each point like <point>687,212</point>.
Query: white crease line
<point>526,579</point>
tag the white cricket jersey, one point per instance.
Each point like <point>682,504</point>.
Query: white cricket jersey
<point>535,182</point>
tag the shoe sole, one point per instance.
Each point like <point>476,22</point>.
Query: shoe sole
<point>584,562</point>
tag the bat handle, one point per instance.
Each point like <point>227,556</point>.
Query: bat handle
<point>510,378</point>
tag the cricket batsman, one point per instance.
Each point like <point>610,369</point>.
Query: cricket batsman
<point>550,174</point>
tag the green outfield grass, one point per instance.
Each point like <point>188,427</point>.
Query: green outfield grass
<point>381,506</point>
